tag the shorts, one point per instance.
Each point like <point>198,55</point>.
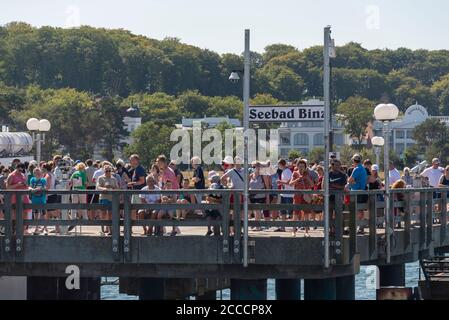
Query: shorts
<point>214,214</point>
<point>53,198</point>
<point>198,198</point>
<point>170,213</point>
<point>231,199</point>
<point>258,200</point>
<point>106,202</point>
<point>90,195</point>
<point>286,200</point>
<point>135,199</point>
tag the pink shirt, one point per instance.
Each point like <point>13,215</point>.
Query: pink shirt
<point>169,175</point>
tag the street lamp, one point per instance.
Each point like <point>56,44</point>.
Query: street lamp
<point>378,143</point>
<point>37,127</point>
<point>234,78</point>
<point>387,113</point>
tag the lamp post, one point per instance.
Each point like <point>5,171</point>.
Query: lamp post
<point>328,53</point>
<point>378,143</point>
<point>38,128</point>
<point>386,113</point>
<point>234,77</point>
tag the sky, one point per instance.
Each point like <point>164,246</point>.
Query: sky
<point>219,25</point>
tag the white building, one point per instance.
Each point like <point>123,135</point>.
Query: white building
<point>401,137</point>
<point>308,135</point>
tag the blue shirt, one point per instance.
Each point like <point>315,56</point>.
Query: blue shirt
<point>361,178</point>
<point>38,198</point>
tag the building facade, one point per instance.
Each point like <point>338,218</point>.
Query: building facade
<point>308,135</point>
<point>401,137</point>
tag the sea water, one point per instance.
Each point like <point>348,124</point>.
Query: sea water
<point>363,288</point>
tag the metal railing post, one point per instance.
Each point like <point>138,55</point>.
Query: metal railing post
<point>127,227</point>
<point>116,226</point>
<point>19,223</point>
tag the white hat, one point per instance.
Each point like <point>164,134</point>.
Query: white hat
<point>375,167</point>
<point>33,163</point>
<point>196,160</point>
<point>212,174</point>
<point>228,160</point>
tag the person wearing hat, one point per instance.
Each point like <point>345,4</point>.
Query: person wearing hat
<point>358,182</point>
<point>213,198</point>
<point>375,183</point>
<point>434,173</point>
<point>233,176</point>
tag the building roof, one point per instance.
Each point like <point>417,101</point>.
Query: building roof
<point>413,116</point>
<point>210,121</point>
<point>133,112</point>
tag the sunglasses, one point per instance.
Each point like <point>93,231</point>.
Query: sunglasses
<point>108,171</point>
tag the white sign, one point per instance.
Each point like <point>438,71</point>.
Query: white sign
<point>286,113</point>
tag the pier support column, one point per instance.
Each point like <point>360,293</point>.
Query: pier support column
<point>248,289</point>
<point>392,275</point>
<point>320,289</point>
<point>152,289</point>
<point>288,289</point>
<point>211,295</point>
<point>345,288</point>
<point>54,288</point>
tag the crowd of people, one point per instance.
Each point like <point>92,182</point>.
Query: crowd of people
<point>290,177</point>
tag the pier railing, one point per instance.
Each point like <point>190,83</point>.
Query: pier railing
<point>422,214</point>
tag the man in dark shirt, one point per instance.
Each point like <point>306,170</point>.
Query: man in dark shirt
<point>137,180</point>
<point>198,177</point>
<point>337,178</point>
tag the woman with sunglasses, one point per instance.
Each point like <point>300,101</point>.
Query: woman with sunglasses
<point>107,182</point>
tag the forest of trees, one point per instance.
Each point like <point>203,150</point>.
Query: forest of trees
<point>61,73</point>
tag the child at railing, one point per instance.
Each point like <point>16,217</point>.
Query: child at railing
<point>38,196</point>
<point>400,184</point>
<point>185,198</point>
<point>212,198</point>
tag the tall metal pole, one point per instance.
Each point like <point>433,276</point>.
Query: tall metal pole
<point>326,85</point>
<point>246,94</point>
<point>38,148</point>
<point>377,152</point>
<point>387,188</point>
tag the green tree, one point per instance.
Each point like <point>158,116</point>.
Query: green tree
<point>316,155</point>
<point>356,112</point>
<point>193,104</point>
<point>293,154</point>
<point>432,139</point>
<point>440,89</point>
<point>149,141</point>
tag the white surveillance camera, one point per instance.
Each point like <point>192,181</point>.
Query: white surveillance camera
<point>234,77</point>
